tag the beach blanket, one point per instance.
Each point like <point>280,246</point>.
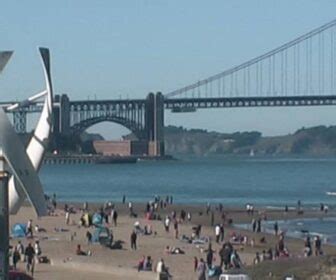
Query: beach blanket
<point>201,240</point>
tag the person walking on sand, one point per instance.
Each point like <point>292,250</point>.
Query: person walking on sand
<point>195,264</point>
<point>133,240</point>
<point>176,229</point>
<point>259,225</point>
<point>221,229</point>
<point>209,256</point>
<point>276,228</point>
<point>130,208</point>
<point>318,245</point>
<point>20,248</point>
<point>29,229</point>
<point>201,270</point>
<point>212,218</point>
<point>254,225</point>
<point>115,217</point>
<point>217,233</point>
<point>67,217</point>
<point>167,223</point>
<point>15,257</point>
<point>37,250</point>
<point>88,237</point>
<point>29,253</point>
<point>160,268</point>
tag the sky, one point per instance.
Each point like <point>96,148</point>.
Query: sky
<point>107,49</point>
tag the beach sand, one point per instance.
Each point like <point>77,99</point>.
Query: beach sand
<point>108,263</point>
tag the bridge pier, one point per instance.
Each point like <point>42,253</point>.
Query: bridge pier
<point>20,121</point>
<point>61,115</point>
<point>154,124</point>
<point>61,120</point>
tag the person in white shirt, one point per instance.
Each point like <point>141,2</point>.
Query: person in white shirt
<point>167,223</point>
<point>217,233</point>
<point>37,250</point>
<point>160,268</point>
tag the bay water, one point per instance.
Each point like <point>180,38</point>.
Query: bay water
<point>233,181</point>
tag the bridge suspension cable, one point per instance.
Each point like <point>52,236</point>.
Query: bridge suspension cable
<point>303,66</point>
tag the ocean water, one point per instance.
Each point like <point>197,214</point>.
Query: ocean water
<point>301,228</point>
<point>231,181</point>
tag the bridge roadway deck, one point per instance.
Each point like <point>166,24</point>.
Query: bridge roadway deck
<point>231,102</point>
<point>191,104</point>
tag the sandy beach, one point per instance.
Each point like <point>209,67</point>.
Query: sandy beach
<point>106,263</point>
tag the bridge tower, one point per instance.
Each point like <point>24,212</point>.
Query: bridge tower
<point>20,121</point>
<point>61,115</point>
<point>154,123</point>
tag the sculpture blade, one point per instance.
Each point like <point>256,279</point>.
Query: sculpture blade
<point>4,57</point>
<point>20,165</point>
<point>39,141</point>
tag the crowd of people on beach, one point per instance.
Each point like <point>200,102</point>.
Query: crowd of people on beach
<point>31,254</point>
<point>219,252</point>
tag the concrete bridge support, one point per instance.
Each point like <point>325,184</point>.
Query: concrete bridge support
<point>154,124</point>
<point>61,115</point>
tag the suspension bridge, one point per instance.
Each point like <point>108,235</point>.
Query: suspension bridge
<point>298,73</point>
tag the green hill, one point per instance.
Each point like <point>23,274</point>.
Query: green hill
<point>314,141</point>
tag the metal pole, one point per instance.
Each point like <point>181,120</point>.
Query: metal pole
<point>4,221</point>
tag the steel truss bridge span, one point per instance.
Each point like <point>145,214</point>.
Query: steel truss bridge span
<point>190,105</point>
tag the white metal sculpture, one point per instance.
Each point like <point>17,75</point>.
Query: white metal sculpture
<point>20,166</point>
<point>38,143</point>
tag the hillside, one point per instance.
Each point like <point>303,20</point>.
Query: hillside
<point>314,141</point>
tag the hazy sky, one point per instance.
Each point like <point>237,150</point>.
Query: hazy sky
<point>112,49</point>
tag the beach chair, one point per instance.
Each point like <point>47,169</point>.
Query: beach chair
<point>226,276</point>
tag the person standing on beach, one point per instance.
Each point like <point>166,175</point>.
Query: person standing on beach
<point>254,225</point>
<point>15,257</point>
<point>160,268</point>
<point>318,245</point>
<point>176,229</point>
<point>201,269</point>
<point>208,207</point>
<point>212,218</point>
<point>189,216</point>
<point>299,207</point>
<point>130,208</point>
<point>195,263</point>
<point>276,228</point>
<point>89,237</point>
<point>217,233</point>
<point>37,250</point>
<point>114,216</point>
<point>221,231</point>
<point>29,229</point>
<point>308,250</point>
<point>53,201</point>
<point>67,217</point>
<point>21,250</point>
<point>209,256</point>
<point>85,206</point>
<point>123,199</point>
<point>167,223</point>
<point>220,207</point>
<point>259,225</point>
<point>29,253</point>
<point>133,240</point>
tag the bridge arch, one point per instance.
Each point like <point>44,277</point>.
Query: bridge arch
<point>80,127</point>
